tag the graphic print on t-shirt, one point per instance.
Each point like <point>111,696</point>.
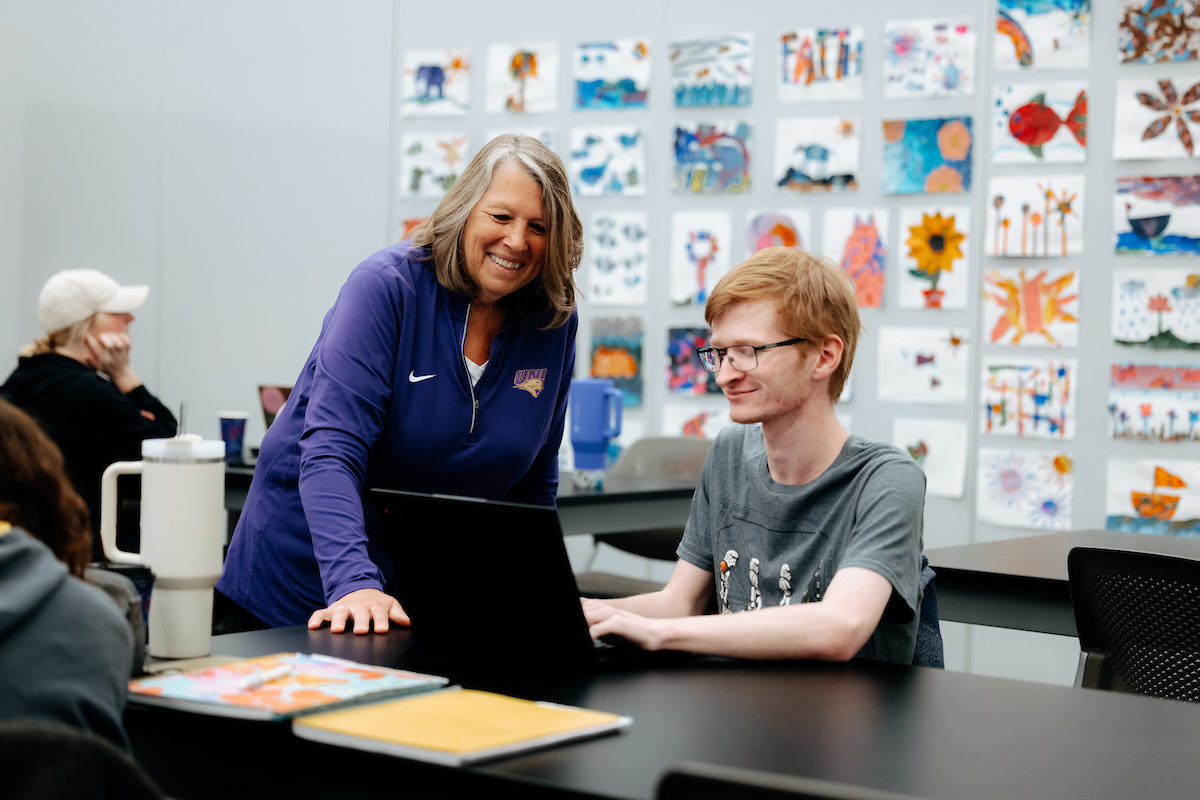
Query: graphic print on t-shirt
<point>785,585</point>
<point>727,563</point>
<point>755,594</point>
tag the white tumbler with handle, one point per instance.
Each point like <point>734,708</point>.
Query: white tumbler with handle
<point>183,532</point>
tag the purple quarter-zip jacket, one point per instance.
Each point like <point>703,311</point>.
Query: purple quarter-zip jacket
<point>384,400</point>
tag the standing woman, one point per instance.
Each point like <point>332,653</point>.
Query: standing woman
<point>79,385</point>
<point>443,366</point>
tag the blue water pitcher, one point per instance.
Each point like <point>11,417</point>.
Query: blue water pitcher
<point>595,420</point>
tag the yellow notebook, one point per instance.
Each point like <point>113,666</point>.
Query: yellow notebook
<point>455,726</point>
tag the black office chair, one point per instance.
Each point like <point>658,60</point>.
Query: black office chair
<point>41,759</point>
<point>1138,617</point>
<point>711,782</point>
<point>651,457</point>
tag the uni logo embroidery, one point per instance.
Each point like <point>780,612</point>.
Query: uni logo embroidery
<point>530,380</point>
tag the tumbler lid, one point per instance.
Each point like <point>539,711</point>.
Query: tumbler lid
<point>188,447</point>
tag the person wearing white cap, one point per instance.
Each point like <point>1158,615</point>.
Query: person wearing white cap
<point>78,383</point>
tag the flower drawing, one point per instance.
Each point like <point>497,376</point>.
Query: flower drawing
<point>902,46</point>
<point>934,245</point>
<point>954,140</point>
<point>1175,107</point>
<point>944,180</point>
<point>1159,303</point>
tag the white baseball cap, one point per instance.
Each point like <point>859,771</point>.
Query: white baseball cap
<point>74,295</point>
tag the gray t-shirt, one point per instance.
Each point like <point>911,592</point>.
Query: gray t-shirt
<point>770,544</point>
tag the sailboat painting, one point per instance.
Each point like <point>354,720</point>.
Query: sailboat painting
<point>1158,496</point>
<point>1154,403</point>
<point>1157,216</point>
<point>1156,308</point>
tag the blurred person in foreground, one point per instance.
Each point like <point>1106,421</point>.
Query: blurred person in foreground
<point>65,647</point>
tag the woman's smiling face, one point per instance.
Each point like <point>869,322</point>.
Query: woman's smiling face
<point>504,241</point>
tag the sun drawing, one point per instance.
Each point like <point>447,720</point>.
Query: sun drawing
<point>934,244</point>
<point>1009,480</point>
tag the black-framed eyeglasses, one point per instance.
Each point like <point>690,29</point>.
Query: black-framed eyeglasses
<point>742,357</point>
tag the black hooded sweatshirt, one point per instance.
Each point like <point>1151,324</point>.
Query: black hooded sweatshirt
<point>87,417</point>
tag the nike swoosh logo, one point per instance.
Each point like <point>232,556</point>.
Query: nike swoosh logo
<point>414,378</point>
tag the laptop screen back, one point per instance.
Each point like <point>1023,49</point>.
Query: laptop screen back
<point>487,584</point>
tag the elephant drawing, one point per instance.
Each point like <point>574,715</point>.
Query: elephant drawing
<point>433,76</point>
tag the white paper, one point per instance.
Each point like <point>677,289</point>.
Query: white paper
<point>928,58</point>
<point>435,83</point>
<point>617,257</point>
<point>1035,118</point>
<point>817,154</point>
<point>1160,496</point>
<point>1028,397</point>
<point>923,365</point>
<point>608,160</point>
<point>522,78</point>
<point>431,162</point>
<point>1025,488</point>
<point>700,254</point>
<point>916,237</point>
<point>791,227</point>
<point>820,65</point>
<point>1031,307</point>
<point>1022,221</point>
<point>939,447</point>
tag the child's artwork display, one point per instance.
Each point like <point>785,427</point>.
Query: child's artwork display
<point>1025,488</point>
<point>1040,123</point>
<point>410,224</point>
<point>613,74</point>
<point>1029,397</point>
<point>713,72</point>
<point>1159,496</point>
<point>817,154</point>
<point>820,65</point>
<point>1152,119</point>
<point>435,83</point>
<point>1154,402</point>
<point>939,446</point>
<point>928,58</point>
<point>607,159</point>
<point>1158,216</point>
<point>1031,307</point>
<point>685,375</point>
<point>618,254</point>
<point>712,157</point>
<point>617,355</point>
<point>1158,30</point>
<point>934,270</point>
<point>856,238</point>
<point>430,162</point>
<point>1049,209</point>
<point>780,228</point>
<point>700,245</point>
<point>697,421</point>
<point>1042,34</point>
<point>923,365</point>
<point>522,79</point>
<point>1156,308</point>
<point>927,156</point>
<point>543,135</point>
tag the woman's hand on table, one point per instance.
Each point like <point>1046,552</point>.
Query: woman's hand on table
<point>364,607</point>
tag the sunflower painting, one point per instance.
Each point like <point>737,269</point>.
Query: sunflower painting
<point>934,269</point>
<point>927,156</point>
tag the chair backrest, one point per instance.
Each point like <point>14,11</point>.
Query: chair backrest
<point>663,457</point>
<point>1140,613</point>
<point>691,781</point>
<point>48,759</point>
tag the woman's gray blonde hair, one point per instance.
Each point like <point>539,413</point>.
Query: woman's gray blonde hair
<point>554,289</point>
<point>71,334</point>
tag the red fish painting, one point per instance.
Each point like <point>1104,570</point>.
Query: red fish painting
<point>1035,123</point>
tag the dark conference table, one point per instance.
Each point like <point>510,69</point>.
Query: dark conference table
<point>1023,583</point>
<point>622,505</point>
<point>912,730</point>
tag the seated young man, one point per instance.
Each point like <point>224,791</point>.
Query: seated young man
<point>816,531</point>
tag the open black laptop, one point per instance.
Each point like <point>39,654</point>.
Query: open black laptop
<point>488,584</point>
